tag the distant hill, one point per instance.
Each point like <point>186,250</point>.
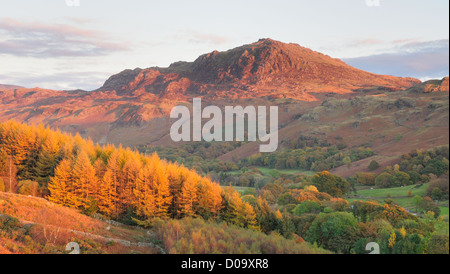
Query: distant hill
<point>8,87</point>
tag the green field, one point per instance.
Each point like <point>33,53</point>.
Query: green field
<point>269,171</point>
<point>393,192</point>
<point>398,194</point>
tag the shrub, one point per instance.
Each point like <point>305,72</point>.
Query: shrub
<point>438,244</point>
<point>374,165</point>
<point>28,187</point>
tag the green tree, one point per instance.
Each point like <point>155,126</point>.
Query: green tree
<point>331,184</point>
<point>417,200</point>
<point>337,231</point>
<point>400,179</point>
<point>383,180</point>
<point>427,204</point>
<point>436,194</point>
<point>347,161</point>
<point>307,207</point>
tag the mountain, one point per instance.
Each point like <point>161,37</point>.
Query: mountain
<point>132,107</point>
<point>265,68</point>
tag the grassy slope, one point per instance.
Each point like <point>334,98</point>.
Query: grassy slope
<point>67,224</point>
<point>268,171</point>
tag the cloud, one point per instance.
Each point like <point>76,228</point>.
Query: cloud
<point>87,80</point>
<point>41,40</point>
<point>202,38</point>
<point>365,43</point>
<point>425,59</point>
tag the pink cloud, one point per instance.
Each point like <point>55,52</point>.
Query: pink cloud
<point>38,39</point>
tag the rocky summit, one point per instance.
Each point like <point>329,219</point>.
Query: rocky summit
<point>265,68</point>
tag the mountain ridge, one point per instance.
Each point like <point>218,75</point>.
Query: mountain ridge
<point>265,68</point>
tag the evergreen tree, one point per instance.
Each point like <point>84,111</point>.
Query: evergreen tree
<point>60,186</point>
<point>84,179</point>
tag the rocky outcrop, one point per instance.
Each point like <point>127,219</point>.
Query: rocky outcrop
<point>431,86</point>
<point>441,86</point>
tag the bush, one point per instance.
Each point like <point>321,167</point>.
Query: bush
<point>442,184</point>
<point>427,205</point>
<point>366,179</point>
<point>28,188</point>
<point>374,165</point>
<point>436,194</point>
<point>9,223</point>
<point>383,180</point>
<point>438,244</point>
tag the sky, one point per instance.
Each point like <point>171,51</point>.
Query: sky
<point>79,44</point>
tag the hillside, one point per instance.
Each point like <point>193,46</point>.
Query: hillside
<point>30,225</point>
<point>35,225</point>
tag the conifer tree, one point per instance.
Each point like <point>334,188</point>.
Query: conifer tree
<point>60,185</point>
<point>46,161</point>
<point>188,197</point>
<point>160,187</point>
<point>84,179</point>
<point>129,177</point>
<point>144,199</point>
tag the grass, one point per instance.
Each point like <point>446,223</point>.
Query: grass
<point>444,211</point>
<point>393,192</point>
<point>399,195</point>
<point>269,171</point>
<point>242,189</point>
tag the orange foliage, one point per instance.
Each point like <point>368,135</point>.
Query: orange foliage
<point>110,180</point>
